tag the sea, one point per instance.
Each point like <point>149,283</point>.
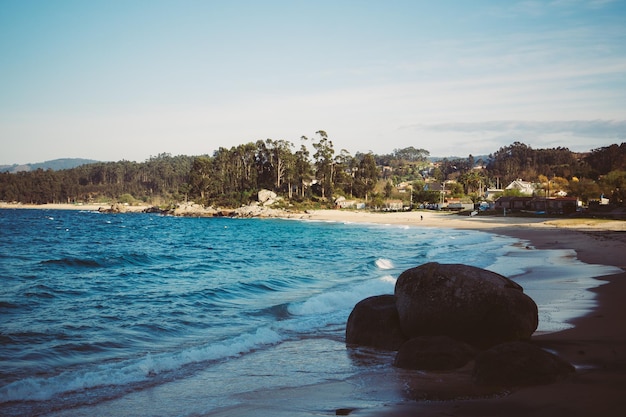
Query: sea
<point>150,315</point>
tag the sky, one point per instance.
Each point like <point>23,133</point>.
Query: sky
<point>130,79</point>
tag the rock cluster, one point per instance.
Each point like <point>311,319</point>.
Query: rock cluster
<point>262,208</point>
<point>115,208</point>
<point>443,316</point>
<point>196,210</point>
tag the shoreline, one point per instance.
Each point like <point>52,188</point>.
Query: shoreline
<point>60,206</point>
<point>596,344</point>
<point>422,218</point>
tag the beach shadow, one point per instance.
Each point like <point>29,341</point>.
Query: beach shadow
<point>380,379</point>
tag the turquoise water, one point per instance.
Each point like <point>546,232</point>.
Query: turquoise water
<point>137,314</point>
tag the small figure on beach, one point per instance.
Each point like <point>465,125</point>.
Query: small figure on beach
<point>421,217</point>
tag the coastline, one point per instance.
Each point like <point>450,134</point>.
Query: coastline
<point>596,344</point>
<point>492,224</point>
<point>60,206</point>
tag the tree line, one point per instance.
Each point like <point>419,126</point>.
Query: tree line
<point>316,171</point>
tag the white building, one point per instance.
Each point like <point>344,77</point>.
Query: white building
<point>524,187</point>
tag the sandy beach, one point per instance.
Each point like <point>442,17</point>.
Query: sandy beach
<point>596,344</point>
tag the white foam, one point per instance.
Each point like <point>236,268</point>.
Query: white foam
<point>383,263</point>
<point>556,280</point>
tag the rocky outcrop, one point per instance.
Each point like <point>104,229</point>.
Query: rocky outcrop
<point>466,303</point>
<point>154,210</point>
<point>443,317</point>
<point>519,364</point>
<point>115,208</point>
<point>254,210</point>
<point>267,197</point>
<point>433,353</point>
<point>192,209</point>
<point>374,322</point>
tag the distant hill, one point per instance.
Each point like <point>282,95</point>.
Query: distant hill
<point>55,165</point>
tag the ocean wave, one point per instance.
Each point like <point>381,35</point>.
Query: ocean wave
<point>278,311</point>
<point>8,305</point>
<point>134,371</point>
<point>105,260</point>
<point>342,299</point>
<point>39,291</point>
<point>73,262</point>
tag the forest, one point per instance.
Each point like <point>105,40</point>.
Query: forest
<point>315,172</point>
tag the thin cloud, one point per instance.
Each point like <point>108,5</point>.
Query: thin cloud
<point>581,128</point>
<point>540,9</point>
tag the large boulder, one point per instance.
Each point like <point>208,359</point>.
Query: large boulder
<point>467,303</point>
<point>266,197</point>
<point>517,364</point>
<point>374,322</point>
<point>433,353</point>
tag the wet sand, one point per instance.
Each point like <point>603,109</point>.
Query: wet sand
<point>596,345</point>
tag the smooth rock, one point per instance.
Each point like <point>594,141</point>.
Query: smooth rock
<point>467,303</point>
<point>433,353</point>
<point>519,364</point>
<point>374,322</point>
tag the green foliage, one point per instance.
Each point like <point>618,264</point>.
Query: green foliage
<point>388,189</point>
<point>521,161</point>
<point>325,168</point>
<point>126,199</point>
<point>232,177</point>
<point>585,189</point>
<point>456,189</point>
<point>604,160</point>
<point>514,193</point>
<point>377,202</point>
<point>429,196</point>
<point>613,186</point>
<point>104,181</point>
<point>367,175</point>
<point>437,174</point>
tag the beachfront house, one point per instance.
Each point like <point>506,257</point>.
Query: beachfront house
<point>493,193</point>
<point>552,205</point>
<point>342,203</point>
<point>394,205</point>
<point>513,203</point>
<point>555,205</point>
<point>524,187</point>
<point>443,188</point>
<point>458,204</point>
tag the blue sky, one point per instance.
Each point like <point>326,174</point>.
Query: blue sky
<point>112,80</point>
